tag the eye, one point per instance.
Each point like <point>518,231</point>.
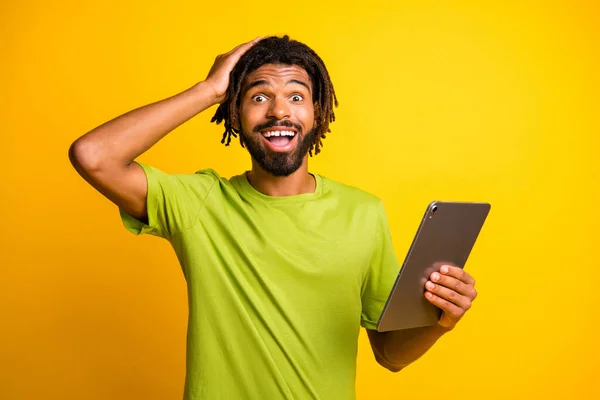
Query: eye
<point>297,98</point>
<point>259,98</point>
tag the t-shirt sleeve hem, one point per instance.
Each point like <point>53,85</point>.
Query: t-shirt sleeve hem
<point>136,226</point>
<point>368,324</point>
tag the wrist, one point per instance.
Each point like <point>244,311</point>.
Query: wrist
<point>207,89</point>
<point>442,328</point>
<point>201,96</point>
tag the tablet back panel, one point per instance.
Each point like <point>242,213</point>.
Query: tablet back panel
<point>446,235</point>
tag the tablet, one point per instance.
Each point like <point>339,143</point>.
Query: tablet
<point>446,235</point>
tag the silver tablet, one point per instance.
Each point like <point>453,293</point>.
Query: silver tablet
<point>446,235</point>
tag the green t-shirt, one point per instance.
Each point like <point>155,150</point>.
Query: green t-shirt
<point>278,287</point>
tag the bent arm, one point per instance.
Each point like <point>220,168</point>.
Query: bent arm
<point>104,156</point>
<point>395,350</point>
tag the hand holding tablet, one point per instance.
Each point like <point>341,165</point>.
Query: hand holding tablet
<point>452,290</point>
<point>434,265</point>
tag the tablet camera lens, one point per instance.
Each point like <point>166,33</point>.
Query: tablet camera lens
<point>433,209</point>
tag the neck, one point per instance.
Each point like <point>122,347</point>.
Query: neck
<point>299,182</point>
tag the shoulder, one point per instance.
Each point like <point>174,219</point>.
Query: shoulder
<point>197,183</point>
<point>205,174</point>
<point>351,195</point>
<point>210,180</point>
<point>221,185</point>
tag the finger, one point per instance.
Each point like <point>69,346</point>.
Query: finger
<point>450,309</point>
<point>230,52</point>
<point>457,273</point>
<point>464,302</point>
<point>244,46</point>
<point>454,284</point>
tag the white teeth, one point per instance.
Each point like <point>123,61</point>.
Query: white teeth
<point>278,133</point>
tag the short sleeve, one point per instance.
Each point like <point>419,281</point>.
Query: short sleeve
<point>173,201</point>
<point>382,273</point>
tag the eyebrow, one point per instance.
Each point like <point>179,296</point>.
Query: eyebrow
<point>261,82</point>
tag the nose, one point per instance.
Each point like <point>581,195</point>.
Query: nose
<point>279,109</point>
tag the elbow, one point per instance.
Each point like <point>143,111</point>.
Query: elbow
<point>394,369</point>
<point>378,344</point>
<point>388,365</point>
<point>84,156</point>
<point>391,367</point>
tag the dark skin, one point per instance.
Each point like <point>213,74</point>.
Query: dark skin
<point>275,93</point>
<point>283,95</point>
<point>105,156</point>
<point>453,291</point>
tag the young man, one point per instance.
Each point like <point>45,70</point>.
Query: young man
<point>282,266</point>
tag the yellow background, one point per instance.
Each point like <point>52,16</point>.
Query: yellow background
<point>445,100</point>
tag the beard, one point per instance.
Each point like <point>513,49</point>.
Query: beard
<point>278,163</point>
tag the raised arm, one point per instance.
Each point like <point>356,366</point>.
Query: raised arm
<point>104,156</point>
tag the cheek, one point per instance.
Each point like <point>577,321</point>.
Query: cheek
<point>307,116</point>
<point>247,121</point>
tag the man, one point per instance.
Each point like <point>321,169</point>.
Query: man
<point>282,266</point>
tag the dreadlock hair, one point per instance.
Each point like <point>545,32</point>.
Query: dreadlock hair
<point>276,50</point>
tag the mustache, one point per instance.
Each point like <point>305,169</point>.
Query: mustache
<point>272,123</point>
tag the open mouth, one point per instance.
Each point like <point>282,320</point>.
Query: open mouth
<point>279,139</point>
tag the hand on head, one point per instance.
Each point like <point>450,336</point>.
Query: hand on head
<point>218,76</point>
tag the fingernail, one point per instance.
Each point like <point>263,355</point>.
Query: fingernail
<point>428,295</point>
<point>444,269</point>
<point>429,285</point>
<point>435,276</point>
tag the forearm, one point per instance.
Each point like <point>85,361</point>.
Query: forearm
<point>397,349</point>
<point>119,141</point>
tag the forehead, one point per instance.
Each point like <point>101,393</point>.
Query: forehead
<point>277,74</point>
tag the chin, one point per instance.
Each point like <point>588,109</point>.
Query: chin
<point>277,168</point>
<point>278,163</point>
